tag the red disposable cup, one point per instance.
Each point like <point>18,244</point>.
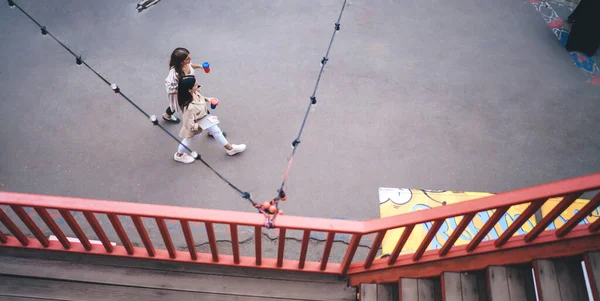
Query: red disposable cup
<point>213,103</point>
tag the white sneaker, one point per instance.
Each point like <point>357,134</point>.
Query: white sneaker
<point>236,148</point>
<point>185,158</point>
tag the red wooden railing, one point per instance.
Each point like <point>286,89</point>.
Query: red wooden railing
<point>536,196</point>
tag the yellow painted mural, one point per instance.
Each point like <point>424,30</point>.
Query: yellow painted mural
<point>395,201</point>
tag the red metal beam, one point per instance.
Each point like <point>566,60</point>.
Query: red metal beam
<point>552,215</point>
<point>212,241</point>
<point>235,244</point>
<point>139,225</point>
<point>281,247</point>
<point>327,250</point>
<point>89,216</point>
<point>164,232</point>
<point>428,238</point>
<point>350,253</point>
<point>49,221</point>
<point>595,226</point>
<point>189,239</point>
<point>518,223</point>
<point>431,265</point>
<point>66,214</point>
<point>13,228</point>
<point>374,249</point>
<point>486,228</point>
<point>456,233</point>
<point>401,242</point>
<point>29,223</point>
<point>579,216</point>
<point>3,238</point>
<point>114,220</point>
<point>303,249</point>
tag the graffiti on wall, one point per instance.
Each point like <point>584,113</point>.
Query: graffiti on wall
<point>395,201</point>
<point>561,31</point>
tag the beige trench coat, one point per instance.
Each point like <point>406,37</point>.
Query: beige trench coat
<point>195,111</point>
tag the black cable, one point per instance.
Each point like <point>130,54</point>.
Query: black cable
<point>313,101</point>
<point>117,90</point>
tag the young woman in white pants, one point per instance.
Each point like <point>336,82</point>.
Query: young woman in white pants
<point>195,113</point>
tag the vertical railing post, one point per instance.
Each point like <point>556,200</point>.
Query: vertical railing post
<point>139,225</point>
<point>13,228</point>
<point>29,223</point>
<point>350,253</point>
<point>327,250</point>
<point>235,244</point>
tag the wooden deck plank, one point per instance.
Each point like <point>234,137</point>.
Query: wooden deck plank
<point>17,298</point>
<point>570,279</point>
<point>452,289</point>
<point>498,284</point>
<point>520,284</point>
<point>79,291</point>
<point>547,280</point>
<point>387,292</point>
<point>368,292</point>
<point>427,290</point>
<point>470,291</point>
<point>174,280</point>
<point>152,264</point>
<point>409,289</point>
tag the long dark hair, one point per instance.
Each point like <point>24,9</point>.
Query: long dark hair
<point>177,57</point>
<point>184,97</point>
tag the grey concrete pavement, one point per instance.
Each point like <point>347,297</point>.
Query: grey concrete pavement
<point>458,95</point>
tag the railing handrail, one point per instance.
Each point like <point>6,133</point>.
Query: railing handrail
<point>537,196</point>
<point>510,198</point>
<point>178,213</point>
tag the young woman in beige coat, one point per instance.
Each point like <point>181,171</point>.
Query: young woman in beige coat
<point>196,117</point>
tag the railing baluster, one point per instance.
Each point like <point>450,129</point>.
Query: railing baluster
<point>303,249</point>
<point>141,229</point>
<point>13,228</point>
<point>327,250</point>
<point>595,226</point>
<point>374,248</point>
<point>467,218</point>
<point>89,216</point>
<point>350,253</point>
<point>114,220</point>
<point>401,242</point>
<point>164,232</point>
<point>518,223</point>
<point>487,227</point>
<point>280,247</point>
<point>43,213</point>
<point>3,238</point>
<point>554,213</point>
<point>427,240</point>
<point>189,239</point>
<point>579,216</point>
<point>235,244</point>
<point>212,241</point>
<point>258,244</point>
<point>31,225</point>
<point>66,214</point>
